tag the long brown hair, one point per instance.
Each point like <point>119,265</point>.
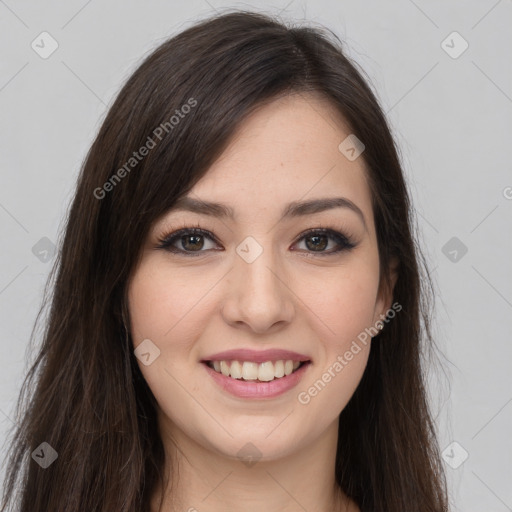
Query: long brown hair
<point>88,398</point>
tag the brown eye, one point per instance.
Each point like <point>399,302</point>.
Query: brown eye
<point>192,242</point>
<point>317,241</point>
<point>187,241</point>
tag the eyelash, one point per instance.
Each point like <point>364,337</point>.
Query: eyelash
<point>167,241</point>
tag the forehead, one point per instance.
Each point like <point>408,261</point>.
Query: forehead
<point>285,151</point>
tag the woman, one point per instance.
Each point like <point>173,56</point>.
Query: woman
<point>236,316</point>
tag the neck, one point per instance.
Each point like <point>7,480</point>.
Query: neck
<point>204,480</point>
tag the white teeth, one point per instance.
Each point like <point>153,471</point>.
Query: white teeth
<point>235,370</point>
<point>224,368</point>
<point>266,371</point>
<point>279,369</point>
<point>249,370</point>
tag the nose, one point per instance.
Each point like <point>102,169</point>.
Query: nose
<point>257,294</point>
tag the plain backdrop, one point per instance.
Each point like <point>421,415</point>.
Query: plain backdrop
<point>442,72</point>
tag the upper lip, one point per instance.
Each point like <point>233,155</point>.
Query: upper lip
<point>257,356</point>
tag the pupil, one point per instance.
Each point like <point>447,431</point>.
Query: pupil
<point>196,244</point>
<point>316,244</point>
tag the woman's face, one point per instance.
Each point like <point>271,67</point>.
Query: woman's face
<point>256,283</point>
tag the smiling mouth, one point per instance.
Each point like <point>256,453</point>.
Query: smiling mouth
<point>257,372</point>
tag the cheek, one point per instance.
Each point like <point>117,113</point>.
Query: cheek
<point>343,302</point>
<point>344,306</point>
<point>345,310</point>
<point>162,310</point>
<point>161,304</point>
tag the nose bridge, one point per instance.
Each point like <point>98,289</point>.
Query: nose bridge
<point>256,273</point>
<point>256,266</point>
<point>257,294</point>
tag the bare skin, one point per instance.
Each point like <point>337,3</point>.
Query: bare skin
<point>290,297</point>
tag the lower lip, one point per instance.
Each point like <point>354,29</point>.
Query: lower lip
<point>256,389</point>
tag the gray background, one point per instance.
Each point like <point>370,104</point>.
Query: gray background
<point>452,120</point>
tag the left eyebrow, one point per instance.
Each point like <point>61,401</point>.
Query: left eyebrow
<point>291,210</point>
<point>300,208</point>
